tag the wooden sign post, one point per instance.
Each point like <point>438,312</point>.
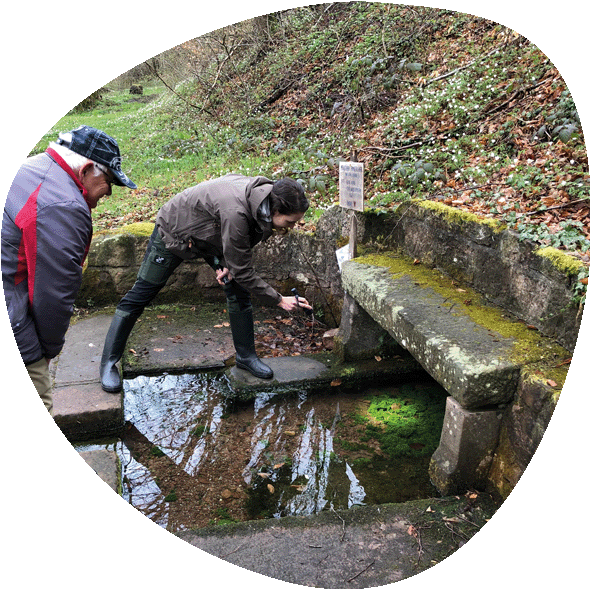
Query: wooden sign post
<point>351,185</point>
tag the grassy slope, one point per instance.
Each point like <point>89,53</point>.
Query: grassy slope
<point>438,105</point>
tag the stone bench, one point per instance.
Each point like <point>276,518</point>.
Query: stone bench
<point>476,352</point>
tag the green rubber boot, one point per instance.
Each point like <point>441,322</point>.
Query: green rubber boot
<point>112,352</point>
<point>242,329</point>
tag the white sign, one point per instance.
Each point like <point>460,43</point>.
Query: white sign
<point>342,255</point>
<point>351,185</point>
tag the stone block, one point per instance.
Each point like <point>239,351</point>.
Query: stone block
<point>105,464</point>
<point>360,336</point>
<point>118,250</point>
<point>83,411</point>
<point>466,450</point>
<point>471,362</point>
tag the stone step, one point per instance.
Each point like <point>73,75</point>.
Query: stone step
<point>473,350</point>
<point>81,408</point>
<point>321,372</point>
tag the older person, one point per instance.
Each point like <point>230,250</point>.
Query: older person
<point>220,221</point>
<point>46,233</point>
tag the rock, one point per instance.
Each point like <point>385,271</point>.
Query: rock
<point>328,338</point>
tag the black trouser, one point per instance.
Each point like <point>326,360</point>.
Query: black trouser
<point>157,267</point>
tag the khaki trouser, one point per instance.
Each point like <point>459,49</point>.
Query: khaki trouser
<point>39,374</point>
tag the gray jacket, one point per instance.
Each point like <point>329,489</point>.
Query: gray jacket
<point>46,233</point>
<point>225,217</point>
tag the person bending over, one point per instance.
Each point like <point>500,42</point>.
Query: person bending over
<point>219,220</point>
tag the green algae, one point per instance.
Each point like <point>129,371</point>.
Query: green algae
<point>528,345</point>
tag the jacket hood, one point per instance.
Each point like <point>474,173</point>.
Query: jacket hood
<point>257,190</point>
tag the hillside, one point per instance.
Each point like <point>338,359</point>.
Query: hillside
<point>438,105</point>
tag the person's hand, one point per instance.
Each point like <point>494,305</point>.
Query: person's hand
<point>221,274</point>
<point>291,303</point>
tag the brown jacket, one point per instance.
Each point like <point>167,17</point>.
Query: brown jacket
<point>226,218</point>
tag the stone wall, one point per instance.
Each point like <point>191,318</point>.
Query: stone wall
<point>303,260</point>
<point>507,271</point>
<point>521,431</point>
<point>114,259</point>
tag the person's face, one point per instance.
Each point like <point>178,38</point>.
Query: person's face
<point>283,223</point>
<point>96,185</point>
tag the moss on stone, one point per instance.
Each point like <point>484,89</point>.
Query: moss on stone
<point>140,229</point>
<point>563,261</point>
<point>407,423</point>
<point>458,216</point>
<point>529,346</point>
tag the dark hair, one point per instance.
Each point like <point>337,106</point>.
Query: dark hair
<point>288,197</point>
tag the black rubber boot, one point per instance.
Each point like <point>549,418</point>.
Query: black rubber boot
<point>242,329</point>
<point>114,345</point>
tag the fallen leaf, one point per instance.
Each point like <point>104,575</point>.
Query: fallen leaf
<point>336,383</point>
<point>277,466</point>
<point>551,383</point>
<point>378,359</point>
<point>412,531</point>
<point>263,475</point>
<point>271,488</point>
<point>161,317</point>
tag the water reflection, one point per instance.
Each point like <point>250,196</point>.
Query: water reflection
<point>189,458</point>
